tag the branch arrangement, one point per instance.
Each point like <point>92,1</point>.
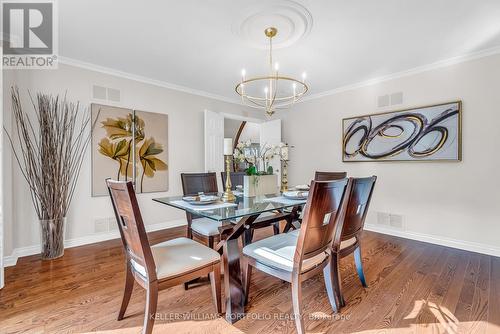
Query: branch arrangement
<point>50,151</point>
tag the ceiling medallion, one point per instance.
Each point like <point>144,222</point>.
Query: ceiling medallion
<point>273,91</point>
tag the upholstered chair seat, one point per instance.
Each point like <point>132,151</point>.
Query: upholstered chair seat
<point>182,255</point>
<point>205,226</point>
<point>278,251</point>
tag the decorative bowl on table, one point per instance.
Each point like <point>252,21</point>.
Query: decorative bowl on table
<point>303,187</point>
<point>201,199</point>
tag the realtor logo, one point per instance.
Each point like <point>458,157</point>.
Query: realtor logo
<point>28,35</point>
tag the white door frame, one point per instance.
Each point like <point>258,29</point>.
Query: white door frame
<point>1,178</point>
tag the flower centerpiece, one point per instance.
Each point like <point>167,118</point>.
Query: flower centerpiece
<point>260,178</point>
<point>256,159</point>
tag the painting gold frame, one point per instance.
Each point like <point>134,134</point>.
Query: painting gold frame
<point>459,158</point>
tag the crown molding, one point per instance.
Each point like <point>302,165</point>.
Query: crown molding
<point>142,79</point>
<point>370,82</point>
<point>405,73</point>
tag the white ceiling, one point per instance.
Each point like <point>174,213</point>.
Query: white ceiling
<point>193,43</point>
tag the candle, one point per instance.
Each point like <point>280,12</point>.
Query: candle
<point>228,146</point>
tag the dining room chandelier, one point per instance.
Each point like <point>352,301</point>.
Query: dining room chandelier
<point>273,91</point>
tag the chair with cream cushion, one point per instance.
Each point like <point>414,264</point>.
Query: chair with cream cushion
<point>161,266</point>
<point>295,257</point>
<point>357,203</point>
<point>203,228</point>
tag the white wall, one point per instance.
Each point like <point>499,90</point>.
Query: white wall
<point>251,131</point>
<point>185,149</point>
<point>456,204</point>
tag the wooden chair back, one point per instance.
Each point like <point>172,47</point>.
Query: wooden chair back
<point>132,231</point>
<point>358,201</point>
<point>329,176</point>
<point>236,179</point>
<point>193,183</point>
<point>319,225</point>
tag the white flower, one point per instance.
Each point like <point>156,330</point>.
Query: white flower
<point>240,145</point>
<point>248,143</point>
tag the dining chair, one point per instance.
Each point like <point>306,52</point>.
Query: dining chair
<point>160,266</point>
<point>237,179</point>
<point>297,213</point>
<point>203,228</point>
<point>295,257</point>
<point>358,201</point>
<point>329,176</point>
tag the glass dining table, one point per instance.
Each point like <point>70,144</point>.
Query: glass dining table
<point>237,218</point>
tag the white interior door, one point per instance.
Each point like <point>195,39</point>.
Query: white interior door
<point>214,142</point>
<point>270,133</point>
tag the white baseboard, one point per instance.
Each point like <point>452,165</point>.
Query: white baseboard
<point>437,240</point>
<point>11,259</point>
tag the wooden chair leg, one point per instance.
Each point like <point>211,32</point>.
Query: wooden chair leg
<point>332,294</point>
<point>297,304</point>
<point>215,282</point>
<point>211,242</point>
<point>337,282</point>
<point>247,277</point>
<point>288,225</point>
<point>247,237</point>
<point>276,228</point>
<point>150,311</point>
<point>129,287</point>
<point>358,260</point>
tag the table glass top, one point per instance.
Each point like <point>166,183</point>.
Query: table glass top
<point>244,206</point>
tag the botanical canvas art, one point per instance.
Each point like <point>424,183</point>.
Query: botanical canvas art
<point>129,145</point>
<point>426,133</point>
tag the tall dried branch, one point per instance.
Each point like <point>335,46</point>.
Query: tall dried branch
<point>50,150</point>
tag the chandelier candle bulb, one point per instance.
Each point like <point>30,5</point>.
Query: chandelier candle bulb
<point>278,87</point>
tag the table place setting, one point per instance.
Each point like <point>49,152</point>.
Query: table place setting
<point>203,202</point>
<point>293,195</point>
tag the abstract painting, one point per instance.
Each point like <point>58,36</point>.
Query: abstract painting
<point>129,145</point>
<point>419,134</point>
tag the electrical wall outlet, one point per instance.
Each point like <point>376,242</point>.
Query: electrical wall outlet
<point>396,221</point>
<point>383,218</point>
<point>113,225</point>
<point>383,101</point>
<point>101,225</point>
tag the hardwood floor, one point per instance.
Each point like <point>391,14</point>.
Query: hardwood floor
<point>413,287</point>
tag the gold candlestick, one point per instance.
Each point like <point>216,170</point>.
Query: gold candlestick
<point>228,195</point>
<point>284,175</point>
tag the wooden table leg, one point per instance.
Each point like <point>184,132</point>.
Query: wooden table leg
<point>233,286</point>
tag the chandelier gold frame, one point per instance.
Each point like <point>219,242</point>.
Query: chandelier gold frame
<point>271,100</point>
